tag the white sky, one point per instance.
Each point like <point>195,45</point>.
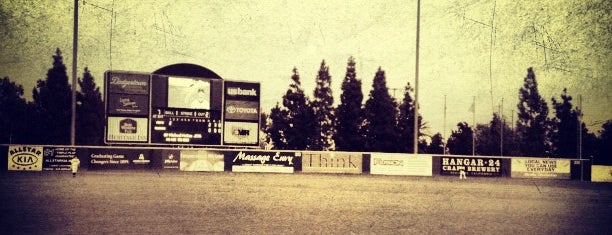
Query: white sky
<point>263,40</point>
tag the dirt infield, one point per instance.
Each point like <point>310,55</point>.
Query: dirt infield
<point>242,203</point>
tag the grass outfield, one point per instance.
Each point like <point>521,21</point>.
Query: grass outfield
<point>146,202</point>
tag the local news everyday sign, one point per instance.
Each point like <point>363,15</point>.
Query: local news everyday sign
<point>540,168</point>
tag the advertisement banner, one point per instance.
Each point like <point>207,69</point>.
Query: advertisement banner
<point>126,104</point>
<point>332,162</point>
<point>170,159</point>
<point>601,173</point>
<point>472,166</point>
<point>401,164</point>
<point>262,161</point>
<point>201,160</point>
<point>242,91</point>
<point>128,83</point>
<point>58,159</point>
<point>118,159</point>
<point>242,110</point>
<point>540,168</point>
<point>186,126</point>
<point>127,129</point>
<point>241,133</point>
<point>25,158</point>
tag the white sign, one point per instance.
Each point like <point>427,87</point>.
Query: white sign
<point>540,168</point>
<point>127,129</point>
<point>400,164</point>
<point>25,158</point>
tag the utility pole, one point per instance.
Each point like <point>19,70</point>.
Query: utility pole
<point>416,82</point>
<point>580,138</point>
<point>474,126</point>
<point>502,122</point>
<point>75,35</point>
<point>444,128</point>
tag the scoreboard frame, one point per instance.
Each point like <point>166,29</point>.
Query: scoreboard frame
<point>145,109</point>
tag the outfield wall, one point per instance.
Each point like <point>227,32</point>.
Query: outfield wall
<point>57,158</point>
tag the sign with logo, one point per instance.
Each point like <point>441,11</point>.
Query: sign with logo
<point>119,104</point>
<point>241,133</point>
<point>472,166</point>
<point>400,164</point>
<point>332,162</point>
<point>170,159</point>
<point>202,160</point>
<point>540,168</point>
<point>242,91</point>
<point>127,129</point>
<point>25,158</point>
<point>241,110</point>
<point>128,83</point>
<point>58,159</point>
<point>112,159</point>
<point>262,161</point>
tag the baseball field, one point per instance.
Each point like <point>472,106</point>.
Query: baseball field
<point>150,202</point>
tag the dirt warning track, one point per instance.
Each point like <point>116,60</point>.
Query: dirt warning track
<point>242,203</point>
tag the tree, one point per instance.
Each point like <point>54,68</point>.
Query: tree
<point>52,100</point>
<point>460,141</point>
<point>405,123</point>
<point>532,119</point>
<point>437,144</point>
<point>488,141</point>
<point>604,149</point>
<point>301,123</point>
<point>564,131</point>
<point>349,112</point>
<point>12,112</point>
<point>278,124</point>
<point>380,114</point>
<point>323,111</point>
<point>90,112</point>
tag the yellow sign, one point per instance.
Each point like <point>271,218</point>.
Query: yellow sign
<point>25,158</point>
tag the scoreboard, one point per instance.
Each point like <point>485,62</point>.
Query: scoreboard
<point>156,109</point>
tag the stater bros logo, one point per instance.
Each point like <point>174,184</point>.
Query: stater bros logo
<point>241,110</point>
<point>127,102</point>
<point>234,91</point>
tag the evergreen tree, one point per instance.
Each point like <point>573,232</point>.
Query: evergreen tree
<point>532,122</point>
<point>405,124</point>
<point>604,149</point>
<point>278,124</point>
<point>349,113</point>
<point>323,110</point>
<point>12,112</point>
<point>460,141</point>
<point>90,112</point>
<point>380,114</point>
<point>437,144</point>
<point>564,132</point>
<point>488,137</point>
<point>52,100</point>
<point>301,123</point>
